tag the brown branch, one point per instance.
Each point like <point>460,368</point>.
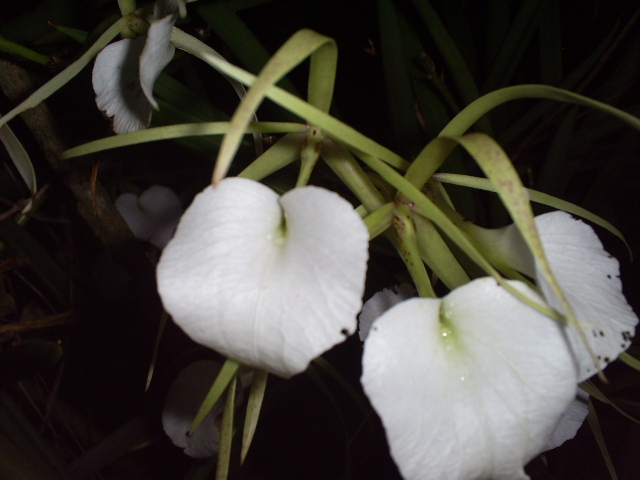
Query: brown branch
<point>94,205</point>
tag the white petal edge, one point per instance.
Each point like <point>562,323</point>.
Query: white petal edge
<point>590,280</point>
<point>478,402</point>
<point>571,420</point>
<point>379,303</point>
<point>183,401</point>
<point>157,53</point>
<point>233,283</point>
<point>116,82</point>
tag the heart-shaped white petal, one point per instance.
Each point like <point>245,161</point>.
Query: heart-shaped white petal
<point>183,401</point>
<point>379,303</point>
<point>469,386</point>
<point>158,52</point>
<point>269,281</point>
<point>116,81</point>
<point>152,217</point>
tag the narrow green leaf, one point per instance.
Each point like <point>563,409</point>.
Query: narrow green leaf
<point>395,61</point>
<point>281,154</point>
<point>301,45</point>
<point>226,431</point>
<point>512,48</point>
<point>40,262</point>
<point>595,392</point>
<point>154,356</point>
<point>15,48</point>
<point>484,104</point>
<point>68,73</point>
<point>175,131</point>
<point>20,159</point>
<point>345,166</point>
<point>435,152</point>
<point>237,36</point>
<point>452,57</point>
<point>436,254</point>
<point>358,398</point>
<point>169,115</point>
<point>19,433</point>
<point>534,196</point>
<point>379,220</point>
<point>338,130</point>
<point>558,170</point>
<point>322,385</point>
<point>322,76</point>
<point>629,360</point>
<point>550,44</point>
<point>594,423</point>
<point>254,404</point>
<point>183,97</point>
<point>76,34</point>
<point>524,121</point>
<point>499,17</point>
<point>407,246</point>
<point>227,373</point>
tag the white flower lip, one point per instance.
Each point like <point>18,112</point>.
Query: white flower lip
<point>183,401</point>
<point>269,281</point>
<point>153,216</point>
<point>468,386</point>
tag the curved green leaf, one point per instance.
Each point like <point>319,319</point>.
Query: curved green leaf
<point>175,131</point>
<point>68,73</point>
<point>534,196</point>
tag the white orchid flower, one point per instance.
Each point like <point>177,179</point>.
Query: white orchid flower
<point>383,300</point>
<point>125,71</point>
<point>269,281</point>
<point>186,394</point>
<point>469,386</point>
<point>588,276</point>
<point>153,216</point>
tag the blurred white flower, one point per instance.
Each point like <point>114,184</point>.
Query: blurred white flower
<point>153,216</point>
<point>186,394</point>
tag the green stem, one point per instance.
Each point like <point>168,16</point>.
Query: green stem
<point>407,246</point>
<point>68,73</point>
<point>311,150</point>
<point>343,163</point>
<point>17,49</point>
